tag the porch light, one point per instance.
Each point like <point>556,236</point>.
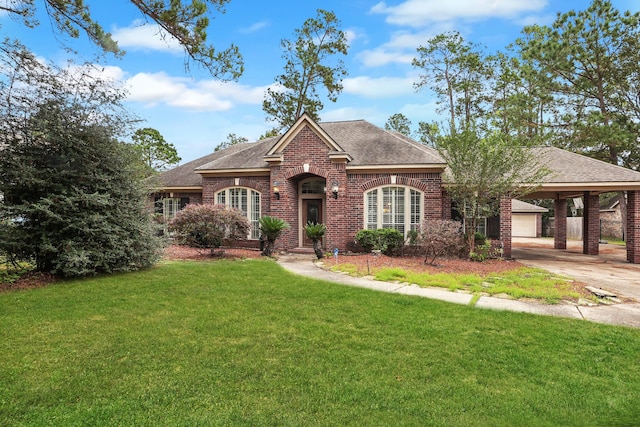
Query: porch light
<point>334,189</point>
<point>276,190</point>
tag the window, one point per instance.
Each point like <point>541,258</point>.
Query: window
<point>393,207</point>
<point>245,199</point>
<point>168,207</point>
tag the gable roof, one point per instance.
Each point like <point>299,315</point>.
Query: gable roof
<point>365,144</point>
<point>518,206</point>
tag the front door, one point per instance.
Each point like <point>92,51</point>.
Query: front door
<point>311,212</point>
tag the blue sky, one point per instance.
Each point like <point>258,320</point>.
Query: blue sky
<point>196,113</point>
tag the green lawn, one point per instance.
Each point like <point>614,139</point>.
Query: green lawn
<point>246,343</point>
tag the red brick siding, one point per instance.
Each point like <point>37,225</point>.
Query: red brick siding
<point>505,225</point>
<point>591,225</point>
<point>560,224</point>
<point>344,216</point>
<point>633,227</point>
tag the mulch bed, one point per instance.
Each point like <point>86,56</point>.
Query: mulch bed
<point>368,262</point>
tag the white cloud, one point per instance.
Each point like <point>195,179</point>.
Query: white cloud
<point>350,113</point>
<point>254,27</point>
<point>400,49</point>
<point>140,36</point>
<point>418,13</point>
<point>207,95</point>
<point>381,87</point>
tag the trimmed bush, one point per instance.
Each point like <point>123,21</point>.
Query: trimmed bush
<point>385,240</point>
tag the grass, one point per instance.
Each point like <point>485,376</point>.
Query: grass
<point>10,272</point>
<point>246,343</point>
<point>524,282</point>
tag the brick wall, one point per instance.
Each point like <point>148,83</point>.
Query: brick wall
<point>591,225</point>
<point>307,156</point>
<point>505,225</point>
<point>633,227</point>
<point>560,224</point>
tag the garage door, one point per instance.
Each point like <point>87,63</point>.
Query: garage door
<point>523,225</point>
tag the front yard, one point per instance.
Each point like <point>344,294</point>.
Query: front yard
<point>245,343</point>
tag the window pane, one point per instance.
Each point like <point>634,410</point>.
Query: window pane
<point>222,198</point>
<point>416,209</point>
<point>393,208</point>
<point>255,214</point>
<point>372,210</point>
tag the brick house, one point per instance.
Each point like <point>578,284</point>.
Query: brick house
<point>352,175</point>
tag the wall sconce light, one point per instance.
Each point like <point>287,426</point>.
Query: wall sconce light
<point>276,190</point>
<point>334,189</point>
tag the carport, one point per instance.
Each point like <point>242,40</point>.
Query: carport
<point>572,176</point>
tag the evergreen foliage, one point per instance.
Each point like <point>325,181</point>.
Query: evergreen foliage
<point>73,200</point>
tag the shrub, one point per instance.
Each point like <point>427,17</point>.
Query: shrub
<point>368,239</point>
<point>271,228</point>
<point>389,239</point>
<point>209,226</point>
<point>315,232</point>
<point>439,238</point>
<point>385,240</point>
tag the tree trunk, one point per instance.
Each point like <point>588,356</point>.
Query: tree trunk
<point>317,248</point>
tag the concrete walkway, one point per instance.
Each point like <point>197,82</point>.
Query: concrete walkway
<point>627,314</point>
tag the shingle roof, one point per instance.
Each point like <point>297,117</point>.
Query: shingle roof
<point>367,144</point>
<point>518,206</point>
<point>185,175</point>
<point>568,167</point>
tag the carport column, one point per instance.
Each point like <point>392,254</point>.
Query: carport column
<point>560,224</point>
<point>505,225</point>
<point>591,225</point>
<point>633,227</point>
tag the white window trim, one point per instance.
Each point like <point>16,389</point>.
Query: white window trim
<point>251,214</point>
<point>380,207</point>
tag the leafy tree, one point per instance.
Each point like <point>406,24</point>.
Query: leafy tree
<point>186,22</point>
<point>73,202</point>
<point>400,123</point>
<point>268,134</point>
<point>209,226</point>
<point>232,139</point>
<point>157,154</point>
<point>308,67</point>
<point>591,59</point>
<point>482,167</point>
<point>428,133</point>
<point>271,229</point>
<point>315,232</point>
<point>457,72</point>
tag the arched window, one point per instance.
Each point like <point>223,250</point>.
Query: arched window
<point>245,199</point>
<point>393,207</point>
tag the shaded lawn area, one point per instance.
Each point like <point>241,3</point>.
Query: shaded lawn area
<point>247,343</point>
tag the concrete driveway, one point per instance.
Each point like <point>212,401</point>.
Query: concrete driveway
<point>609,270</point>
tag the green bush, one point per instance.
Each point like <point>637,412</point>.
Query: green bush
<point>368,239</point>
<point>385,240</point>
<point>389,239</point>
